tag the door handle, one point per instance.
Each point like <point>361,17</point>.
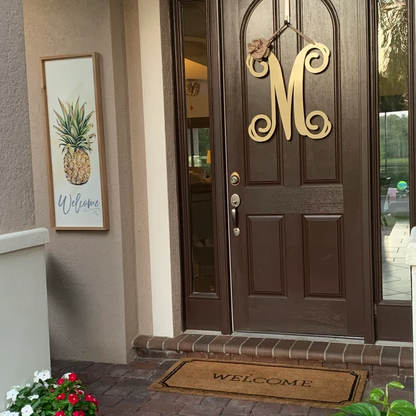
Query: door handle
<point>235,203</point>
<point>234,217</point>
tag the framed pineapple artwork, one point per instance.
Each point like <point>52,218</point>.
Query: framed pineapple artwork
<point>75,142</point>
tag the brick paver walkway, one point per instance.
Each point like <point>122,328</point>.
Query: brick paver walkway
<point>122,391</point>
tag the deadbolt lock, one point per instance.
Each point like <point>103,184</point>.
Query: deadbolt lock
<point>235,179</point>
<point>235,201</point>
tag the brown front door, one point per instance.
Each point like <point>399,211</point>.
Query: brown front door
<point>300,263</point>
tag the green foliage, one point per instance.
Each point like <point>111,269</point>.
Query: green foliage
<point>73,127</point>
<point>393,32</point>
<point>394,136</point>
<point>63,397</point>
<point>378,404</point>
<point>204,141</point>
<point>394,147</point>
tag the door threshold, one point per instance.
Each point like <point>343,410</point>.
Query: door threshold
<point>406,344</point>
<point>287,349</point>
<point>201,332</point>
<point>295,337</point>
<point>300,337</point>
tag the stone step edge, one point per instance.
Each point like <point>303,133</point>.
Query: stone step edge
<point>278,350</point>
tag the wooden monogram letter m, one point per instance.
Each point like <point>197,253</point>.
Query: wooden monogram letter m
<point>293,97</point>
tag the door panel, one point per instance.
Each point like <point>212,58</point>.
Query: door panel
<point>266,263</point>
<point>323,253</point>
<point>298,263</point>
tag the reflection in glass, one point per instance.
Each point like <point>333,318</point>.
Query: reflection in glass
<point>394,147</point>
<point>199,146</point>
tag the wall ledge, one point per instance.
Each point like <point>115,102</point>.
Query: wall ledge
<point>23,239</point>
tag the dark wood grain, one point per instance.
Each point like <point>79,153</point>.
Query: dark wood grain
<point>266,255</point>
<point>209,311</point>
<point>393,318</point>
<point>301,178</point>
<point>323,257</point>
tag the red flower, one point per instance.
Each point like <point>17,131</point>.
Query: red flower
<point>73,398</point>
<point>78,413</point>
<point>60,413</point>
<point>52,390</point>
<point>92,399</point>
<point>60,397</point>
<point>60,381</point>
<point>72,377</point>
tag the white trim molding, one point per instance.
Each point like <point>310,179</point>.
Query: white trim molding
<point>156,167</point>
<point>411,261</point>
<point>23,239</point>
<point>24,337</point>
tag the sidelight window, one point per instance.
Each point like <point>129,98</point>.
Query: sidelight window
<point>394,147</point>
<point>200,186</point>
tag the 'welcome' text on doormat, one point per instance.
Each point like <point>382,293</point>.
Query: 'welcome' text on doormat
<point>315,387</point>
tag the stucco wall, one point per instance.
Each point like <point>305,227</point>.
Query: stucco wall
<point>16,181</point>
<point>106,288</point>
<point>159,135</point>
<point>92,283</point>
<point>152,128</point>
<point>139,166</point>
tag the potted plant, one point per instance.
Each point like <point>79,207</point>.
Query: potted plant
<point>378,404</point>
<point>46,396</point>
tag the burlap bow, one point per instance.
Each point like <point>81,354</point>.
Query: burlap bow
<point>259,49</point>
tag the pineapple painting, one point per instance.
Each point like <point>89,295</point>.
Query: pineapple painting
<point>74,130</point>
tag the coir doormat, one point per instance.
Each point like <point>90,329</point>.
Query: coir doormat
<point>307,386</point>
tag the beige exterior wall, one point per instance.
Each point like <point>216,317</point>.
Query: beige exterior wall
<point>105,288</point>
<point>91,275</point>
<point>16,181</point>
<point>138,150</point>
<point>159,133</point>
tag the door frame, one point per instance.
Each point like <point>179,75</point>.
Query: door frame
<point>389,313</point>
<point>364,220</point>
<point>200,308</point>
<point>371,284</point>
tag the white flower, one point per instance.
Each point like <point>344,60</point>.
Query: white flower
<point>27,410</point>
<point>42,376</point>
<point>66,376</point>
<point>12,394</point>
<point>8,413</point>
<point>34,397</point>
